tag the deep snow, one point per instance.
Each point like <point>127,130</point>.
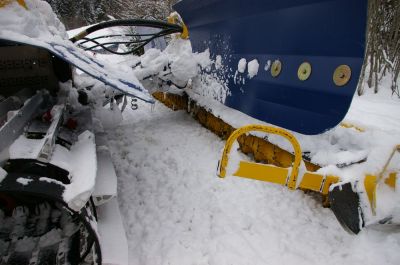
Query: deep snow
<point>177,211</point>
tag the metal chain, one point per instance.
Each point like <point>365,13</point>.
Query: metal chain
<point>134,105</point>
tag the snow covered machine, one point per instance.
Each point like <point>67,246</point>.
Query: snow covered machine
<point>58,185</point>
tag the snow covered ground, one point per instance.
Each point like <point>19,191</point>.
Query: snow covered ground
<point>177,211</point>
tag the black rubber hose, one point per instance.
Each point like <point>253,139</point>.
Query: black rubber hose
<point>144,42</point>
<point>97,44</point>
<point>114,36</point>
<point>128,22</point>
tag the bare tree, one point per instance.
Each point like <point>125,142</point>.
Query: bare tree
<point>76,13</point>
<point>383,47</point>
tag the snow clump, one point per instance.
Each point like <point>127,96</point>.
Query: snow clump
<point>39,21</point>
<point>267,66</point>
<point>24,181</point>
<point>3,174</point>
<point>252,68</point>
<point>218,62</point>
<point>184,67</point>
<point>242,65</point>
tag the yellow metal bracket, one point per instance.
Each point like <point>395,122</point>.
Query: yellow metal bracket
<point>310,181</point>
<point>349,126</point>
<point>260,171</point>
<point>175,19</point>
<point>3,3</point>
<point>371,182</point>
<point>274,174</point>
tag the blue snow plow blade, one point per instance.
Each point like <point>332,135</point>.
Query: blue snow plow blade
<point>329,35</point>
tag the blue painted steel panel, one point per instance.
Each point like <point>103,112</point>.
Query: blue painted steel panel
<point>325,33</point>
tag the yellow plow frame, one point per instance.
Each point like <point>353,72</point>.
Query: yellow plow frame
<point>345,201</point>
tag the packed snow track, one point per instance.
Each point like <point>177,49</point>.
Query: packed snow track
<point>177,211</point>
